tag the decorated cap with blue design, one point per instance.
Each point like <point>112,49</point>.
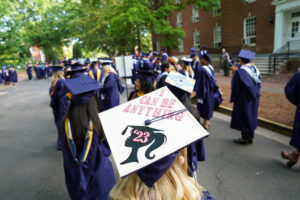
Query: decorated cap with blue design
<point>186,60</point>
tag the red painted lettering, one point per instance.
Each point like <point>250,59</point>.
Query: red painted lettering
<point>134,109</point>
<point>179,116</point>
<point>142,99</point>
<point>171,104</point>
<point>149,110</point>
<point>141,110</point>
<point>154,101</point>
<point>164,103</point>
<point>157,112</point>
<point>127,108</point>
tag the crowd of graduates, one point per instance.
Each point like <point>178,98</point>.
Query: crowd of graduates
<point>79,92</point>
<point>8,75</point>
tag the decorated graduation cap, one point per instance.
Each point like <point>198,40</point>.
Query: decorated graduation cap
<point>206,57</point>
<point>246,55</point>
<point>151,130</point>
<point>82,89</point>
<point>186,60</point>
<point>56,68</point>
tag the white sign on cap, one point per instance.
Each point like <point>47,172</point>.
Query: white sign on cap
<point>135,145</point>
<point>181,81</point>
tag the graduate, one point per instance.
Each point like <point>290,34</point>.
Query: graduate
<point>164,56</point>
<point>204,89</point>
<point>245,92</point>
<point>1,77</point>
<point>196,151</point>
<point>142,86</point>
<point>36,69</point>
<point>88,170</point>
<point>292,93</point>
<point>58,104</point>
<point>42,72</point>
<point>13,76</point>
<point>174,65</point>
<point>6,77</point>
<point>203,51</point>
<point>29,72</point>
<point>112,87</point>
<point>195,63</point>
<point>95,72</point>
<point>186,68</point>
<point>164,179</point>
<point>49,71</point>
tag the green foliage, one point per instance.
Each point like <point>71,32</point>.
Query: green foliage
<point>108,26</point>
<point>77,53</point>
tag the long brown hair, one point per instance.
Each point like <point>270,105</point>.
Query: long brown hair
<point>80,116</point>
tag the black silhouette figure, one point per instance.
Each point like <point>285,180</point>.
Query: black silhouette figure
<point>142,136</point>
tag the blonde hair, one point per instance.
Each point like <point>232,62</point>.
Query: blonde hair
<point>56,75</point>
<point>175,184</point>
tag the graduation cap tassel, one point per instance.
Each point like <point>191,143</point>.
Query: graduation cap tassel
<point>149,121</point>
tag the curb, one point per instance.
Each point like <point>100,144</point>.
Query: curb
<point>268,124</point>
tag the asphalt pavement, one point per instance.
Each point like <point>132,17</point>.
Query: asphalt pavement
<point>31,168</point>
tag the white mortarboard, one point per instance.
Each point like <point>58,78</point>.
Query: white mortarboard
<point>147,129</point>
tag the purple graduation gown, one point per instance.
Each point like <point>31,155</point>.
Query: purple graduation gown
<point>29,73</point>
<point>13,77</point>
<point>59,104</point>
<point>37,72</point>
<point>245,94</point>
<point>92,179</point>
<point>292,93</point>
<point>110,93</point>
<point>1,77</point>
<point>205,87</point>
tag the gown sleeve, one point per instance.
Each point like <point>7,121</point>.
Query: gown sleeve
<point>292,89</point>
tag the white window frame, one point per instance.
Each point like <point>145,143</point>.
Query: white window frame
<point>179,19</point>
<point>249,35</point>
<point>180,45</point>
<point>249,1</point>
<point>195,13</point>
<point>177,1</point>
<point>217,36</point>
<point>196,39</point>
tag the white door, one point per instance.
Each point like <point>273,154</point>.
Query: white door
<point>295,27</point>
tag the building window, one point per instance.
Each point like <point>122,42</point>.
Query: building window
<point>180,45</point>
<point>295,29</point>
<point>216,9</point>
<point>250,31</point>
<point>196,37</point>
<point>177,1</point>
<point>195,14</point>
<point>179,19</point>
<point>217,36</point>
<point>248,1</point>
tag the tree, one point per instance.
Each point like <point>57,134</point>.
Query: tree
<point>77,53</point>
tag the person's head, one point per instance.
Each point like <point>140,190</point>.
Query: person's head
<point>246,56</point>
<point>58,73</point>
<point>172,61</point>
<point>205,59</point>
<point>174,184</point>
<point>223,50</point>
<point>165,67</point>
<point>194,56</point>
<point>143,85</point>
<point>94,65</point>
<point>107,68</point>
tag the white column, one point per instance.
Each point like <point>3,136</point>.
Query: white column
<point>279,29</point>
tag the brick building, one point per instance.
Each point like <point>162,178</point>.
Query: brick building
<point>235,24</point>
